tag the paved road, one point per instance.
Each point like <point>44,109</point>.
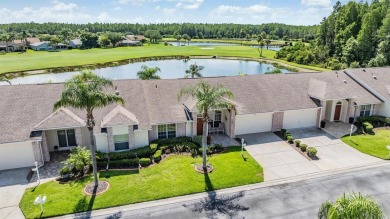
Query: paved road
<point>292,200</point>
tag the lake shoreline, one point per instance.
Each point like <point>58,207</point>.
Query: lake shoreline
<point>59,70</point>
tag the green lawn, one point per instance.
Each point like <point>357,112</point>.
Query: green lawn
<point>174,176</point>
<point>35,60</point>
<point>374,145</point>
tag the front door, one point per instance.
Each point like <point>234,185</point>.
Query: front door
<point>337,113</point>
<point>199,126</point>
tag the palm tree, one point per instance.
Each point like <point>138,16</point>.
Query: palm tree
<point>178,38</point>
<point>24,39</point>
<point>351,206</point>
<point>194,71</point>
<point>207,98</point>
<point>86,91</point>
<point>148,73</point>
<point>267,43</point>
<point>260,45</point>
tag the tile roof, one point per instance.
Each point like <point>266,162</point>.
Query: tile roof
<point>62,118</point>
<point>24,107</point>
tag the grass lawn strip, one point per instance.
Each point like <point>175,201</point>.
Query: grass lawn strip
<point>174,176</point>
<point>374,145</point>
<point>36,60</point>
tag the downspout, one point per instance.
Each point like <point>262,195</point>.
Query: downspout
<point>40,149</point>
<point>320,119</point>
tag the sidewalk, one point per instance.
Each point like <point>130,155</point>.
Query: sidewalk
<point>187,198</point>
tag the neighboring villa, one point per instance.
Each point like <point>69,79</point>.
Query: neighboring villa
<point>75,43</point>
<point>130,43</point>
<point>29,40</point>
<point>30,129</point>
<point>10,46</point>
<point>45,46</point>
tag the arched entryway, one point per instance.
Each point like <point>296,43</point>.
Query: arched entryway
<point>337,112</point>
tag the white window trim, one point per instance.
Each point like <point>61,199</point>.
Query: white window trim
<point>166,130</point>
<point>370,111</point>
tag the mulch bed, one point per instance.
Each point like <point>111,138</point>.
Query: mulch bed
<point>199,168</point>
<point>90,189</point>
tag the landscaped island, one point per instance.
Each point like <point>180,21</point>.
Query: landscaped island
<point>174,176</point>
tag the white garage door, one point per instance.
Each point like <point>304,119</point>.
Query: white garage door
<point>253,123</point>
<point>300,118</point>
<point>16,155</point>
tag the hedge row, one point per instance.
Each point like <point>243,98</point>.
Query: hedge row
<point>368,127</point>
<point>372,119</point>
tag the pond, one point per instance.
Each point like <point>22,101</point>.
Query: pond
<point>211,44</point>
<point>169,69</point>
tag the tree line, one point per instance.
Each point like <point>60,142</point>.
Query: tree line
<point>193,30</point>
<point>356,34</point>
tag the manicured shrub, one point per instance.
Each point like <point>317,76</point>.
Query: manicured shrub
<point>297,143</point>
<point>197,140</point>
<point>101,164</point>
<point>311,151</point>
<point>290,139</point>
<point>286,135</point>
<point>368,127</point>
<point>283,131</point>
<point>65,170</point>
<point>157,156</point>
<point>124,163</point>
<point>373,119</point>
<point>139,152</point>
<point>153,147</point>
<point>144,162</point>
<point>168,141</point>
<point>303,147</point>
<point>218,147</point>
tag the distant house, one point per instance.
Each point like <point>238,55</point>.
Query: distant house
<point>10,46</point>
<point>130,43</point>
<point>135,37</point>
<point>75,43</point>
<point>30,40</point>
<point>45,46</point>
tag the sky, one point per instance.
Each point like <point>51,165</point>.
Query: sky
<point>296,12</point>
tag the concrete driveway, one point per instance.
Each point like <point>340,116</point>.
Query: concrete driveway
<point>333,153</point>
<point>280,160</point>
<point>13,183</point>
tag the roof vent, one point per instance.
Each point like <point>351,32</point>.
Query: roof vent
<point>374,77</point>
<point>345,81</point>
<point>364,70</point>
<point>156,85</point>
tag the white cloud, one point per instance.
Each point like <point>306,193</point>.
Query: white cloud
<point>58,12</point>
<point>117,8</point>
<point>188,4</point>
<point>259,13</point>
<point>321,3</point>
<point>135,2</point>
<point>168,11</point>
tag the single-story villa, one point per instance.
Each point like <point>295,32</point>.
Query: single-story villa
<point>45,46</point>
<point>10,46</point>
<point>30,129</point>
<point>75,43</point>
<point>29,40</point>
<point>135,37</point>
<point>130,43</point>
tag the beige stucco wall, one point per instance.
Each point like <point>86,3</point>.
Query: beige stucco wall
<point>277,121</point>
<point>101,142</point>
<point>141,138</point>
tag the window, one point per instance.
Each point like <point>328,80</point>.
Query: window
<point>365,110</point>
<point>166,131</point>
<point>217,118</point>
<point>121,142</point>
<point>66,138</point>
